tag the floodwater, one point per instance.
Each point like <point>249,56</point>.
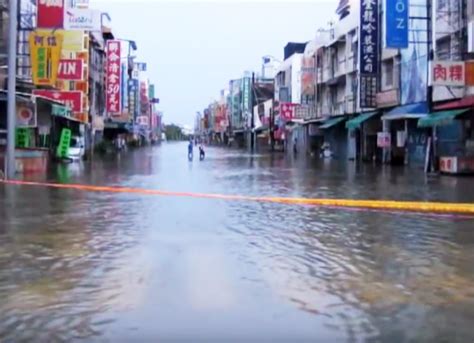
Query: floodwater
<point>101,267</point>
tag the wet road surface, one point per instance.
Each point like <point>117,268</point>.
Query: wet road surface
<point>126,267</point>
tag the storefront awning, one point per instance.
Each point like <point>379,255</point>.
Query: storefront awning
<point>62,111</point>
<point>332,122</point>
<point>413,111</point>
<point>21,97</point>
<point>357,121</point>
<point>440,118</point>
<point>458,104</point>
<point>314,121</point>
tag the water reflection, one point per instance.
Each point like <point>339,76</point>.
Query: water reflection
<point>118,266</point>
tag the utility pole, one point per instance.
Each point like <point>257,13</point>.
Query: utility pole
<point>431,42</point>
<point>11,97</point>
<point>252,124</point>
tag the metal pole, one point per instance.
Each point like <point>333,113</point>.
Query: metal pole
<point>11,110</point>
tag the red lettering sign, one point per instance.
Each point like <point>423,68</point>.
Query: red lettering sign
<point>71,69</point>
<point>448,73</point>
<point>440,73</point>
<point>71,99</point>
<point>113,72</point>
<point>287,110</point>
<point>50,14</point>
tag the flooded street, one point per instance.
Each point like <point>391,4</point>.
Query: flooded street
<point>128,267</point>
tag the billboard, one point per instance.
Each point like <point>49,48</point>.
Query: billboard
<point>50,14</point>
<point>414,59</point>
<point>45,54</point>
<point>71,69</point>
<point>308,80</point>
<point>368,53</point>
<point>72,99</point>
<point>114,75</point>
<point>396,24</point>
<point>82,19</point>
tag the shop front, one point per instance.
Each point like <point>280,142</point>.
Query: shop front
<point>314,136</point>
<point>33,136</point>
<point>362,133</point>
<point>407,141</point>
<point>453,128</point>
<point>335,138</point>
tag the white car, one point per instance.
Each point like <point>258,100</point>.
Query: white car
<point>77,148</point>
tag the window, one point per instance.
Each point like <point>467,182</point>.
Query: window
<point>388,73</point>
<point>443,49</point>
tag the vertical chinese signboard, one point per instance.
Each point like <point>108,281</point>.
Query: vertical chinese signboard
<point>133,97</point>
<point>45,55</point>
<point>369,53</point>
<point>113,84</point>
<point>396,24</point>
<point>50,14</point>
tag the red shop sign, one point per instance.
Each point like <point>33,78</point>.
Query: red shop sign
<point>113,93</point>
<point>50,14</point>
<point>287,110</point>
<point>71,69</point>
<point>72,99</point>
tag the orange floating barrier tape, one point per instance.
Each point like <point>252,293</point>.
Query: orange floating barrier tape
<point>412,206</point>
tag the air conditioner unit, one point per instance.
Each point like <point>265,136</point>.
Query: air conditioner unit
<point>470,36</point>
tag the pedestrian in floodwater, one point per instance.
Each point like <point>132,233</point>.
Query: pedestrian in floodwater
<point>202,153</point>
<point>190,150</point>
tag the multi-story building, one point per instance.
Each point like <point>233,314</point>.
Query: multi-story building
<point>336,56</point>
<point>452,81</point>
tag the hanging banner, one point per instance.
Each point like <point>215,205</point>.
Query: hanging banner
<point>82,19</point>
<point>71,69</point>
<point>113,83</point>
<point>396,24</point>
<point>72,99</point>
<point>50,14</point>
<point>368,52</point>
<point>45,53</point>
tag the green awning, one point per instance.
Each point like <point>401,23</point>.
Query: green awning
<point>357,121</point>
<point>440,118</point>
<point>332,122</point>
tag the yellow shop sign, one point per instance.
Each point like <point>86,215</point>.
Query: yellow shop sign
<point>45,49</point>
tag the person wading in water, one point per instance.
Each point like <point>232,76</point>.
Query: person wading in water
<point>190,150</point>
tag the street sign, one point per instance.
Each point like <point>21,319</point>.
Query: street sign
<point>396,24</point>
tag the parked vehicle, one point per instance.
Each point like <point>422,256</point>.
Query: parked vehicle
<point>77,148</point>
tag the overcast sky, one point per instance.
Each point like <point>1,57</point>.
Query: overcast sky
<point>193,48</point>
